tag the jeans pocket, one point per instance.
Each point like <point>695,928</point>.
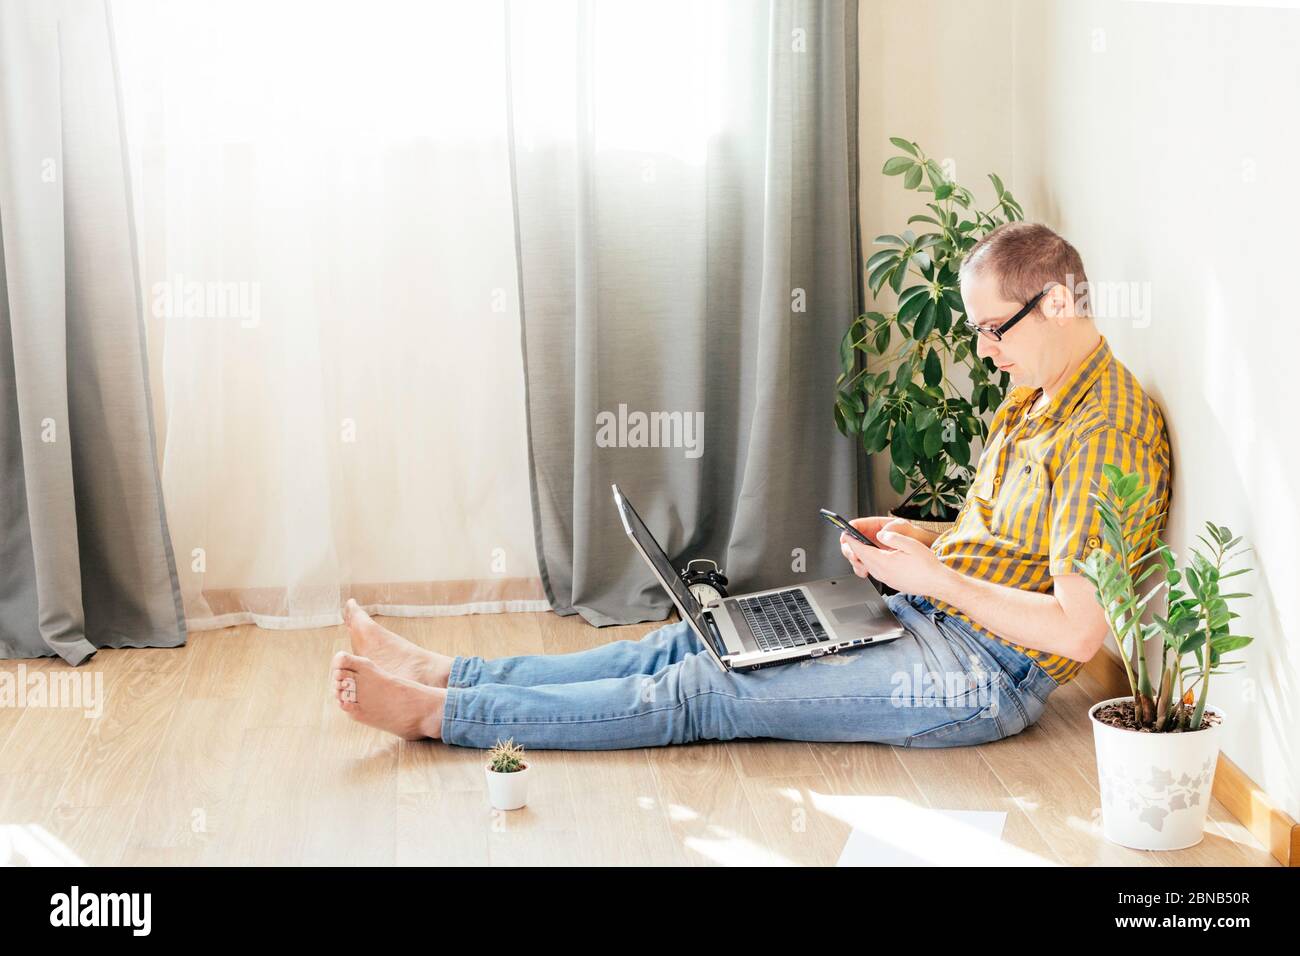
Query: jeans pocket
<point>1037,685</point>
<point>981,667</point>
<point>979,728</point>
<point>998,716</point>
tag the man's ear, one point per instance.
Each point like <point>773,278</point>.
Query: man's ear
<point>1058,304</point>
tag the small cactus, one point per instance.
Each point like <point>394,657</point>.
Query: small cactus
<point>506,757</point>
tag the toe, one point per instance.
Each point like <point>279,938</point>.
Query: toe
<point>353,662</point>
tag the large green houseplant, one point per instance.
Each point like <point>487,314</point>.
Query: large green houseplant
<point>923,397</point>
<point>1197,622</point>
<point>1158,747</point>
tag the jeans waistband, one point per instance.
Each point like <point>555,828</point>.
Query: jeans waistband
<point>1018,665</point>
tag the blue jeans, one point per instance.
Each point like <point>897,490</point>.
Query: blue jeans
<point>940,685</point>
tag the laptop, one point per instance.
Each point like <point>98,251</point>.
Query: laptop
<point>777,626</point>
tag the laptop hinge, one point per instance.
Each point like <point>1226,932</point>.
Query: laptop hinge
<point>715,636</point>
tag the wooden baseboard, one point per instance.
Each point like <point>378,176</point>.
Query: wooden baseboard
<point>1240,795</point>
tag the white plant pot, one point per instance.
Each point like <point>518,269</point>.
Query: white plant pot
<point>1155,788</point>
<point>507,791</point>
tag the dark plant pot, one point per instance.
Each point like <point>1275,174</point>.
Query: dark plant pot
<point>927,521</point>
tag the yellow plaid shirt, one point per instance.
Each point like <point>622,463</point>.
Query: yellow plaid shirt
<point>1027,516</point>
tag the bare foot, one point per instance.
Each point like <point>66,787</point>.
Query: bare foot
<point>393,652</point>
<point>376,698</point>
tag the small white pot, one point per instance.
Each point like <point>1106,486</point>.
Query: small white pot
<point>1155,788</point>
<point>507,791</point>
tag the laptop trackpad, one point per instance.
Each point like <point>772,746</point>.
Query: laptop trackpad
<point>852,614</point>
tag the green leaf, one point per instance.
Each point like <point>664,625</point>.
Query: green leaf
<point>876,435</point>
<point>1224,645</point>
<point>916,439</point>
<point>880,342</point>
<point>846,349</point>
<point>911,300</point>
<point>959,448</point>
<point>900,164</point>
<point>883,256</point>
<point>900,452</point>
<point>943,317</point>
<point>925,321</point>
<point>877,278</point>
<point>897,479</point>
<point>933,368</point>
<point>904,145</point>
<point>873,409</point>
<point>898,276</point>
<point>913,177</point>
<point>933,439</point>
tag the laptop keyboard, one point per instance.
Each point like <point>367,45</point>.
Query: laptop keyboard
<point>782,620</point>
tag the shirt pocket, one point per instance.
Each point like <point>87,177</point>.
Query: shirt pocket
<point>1020,511</point>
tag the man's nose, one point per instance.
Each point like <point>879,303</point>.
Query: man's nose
<point>985,347</point>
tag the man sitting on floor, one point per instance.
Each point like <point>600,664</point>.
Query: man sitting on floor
<point>996,614</point>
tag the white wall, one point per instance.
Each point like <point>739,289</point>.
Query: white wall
<point>915,82</point>
<point>1161,139</point>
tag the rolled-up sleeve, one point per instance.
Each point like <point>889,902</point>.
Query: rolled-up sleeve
<point>1076,520</point>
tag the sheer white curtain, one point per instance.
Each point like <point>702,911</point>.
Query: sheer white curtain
<point>327,253</point>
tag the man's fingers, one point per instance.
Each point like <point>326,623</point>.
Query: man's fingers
<point>905,527</point>
<point>902,542</point>
<point>851,556</point>
<point>859,555</point>
<point>869,526</point>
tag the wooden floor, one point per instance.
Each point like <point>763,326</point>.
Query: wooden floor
<point>229,751</point>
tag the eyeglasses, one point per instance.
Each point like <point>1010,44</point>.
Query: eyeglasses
<point>996,333</point>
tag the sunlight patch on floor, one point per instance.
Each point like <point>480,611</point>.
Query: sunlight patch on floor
<point>30,844</point>
<point>923,834</point>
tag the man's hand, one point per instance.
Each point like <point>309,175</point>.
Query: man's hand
<point>903,561</point>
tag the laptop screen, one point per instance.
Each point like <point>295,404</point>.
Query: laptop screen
<point>636,528</point>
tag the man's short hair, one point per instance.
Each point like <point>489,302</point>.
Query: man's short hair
<point>1027,257</point>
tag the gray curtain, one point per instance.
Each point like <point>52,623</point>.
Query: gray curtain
<point>715,276</point>
<point>85,558</point>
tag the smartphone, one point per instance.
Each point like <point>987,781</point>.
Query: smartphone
<point>843,524</point>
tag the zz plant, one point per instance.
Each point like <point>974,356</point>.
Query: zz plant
<point>926,401</point>
<point>1197,620</point>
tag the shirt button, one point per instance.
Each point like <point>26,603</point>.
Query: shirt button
<point>1093,541</point>
<point>997,479</point>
